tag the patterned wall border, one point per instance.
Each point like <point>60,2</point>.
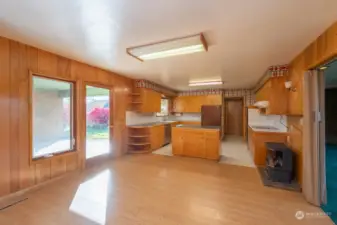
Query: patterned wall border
<point>155,87</point>
<point>247,94</point>
<point>201,92</point>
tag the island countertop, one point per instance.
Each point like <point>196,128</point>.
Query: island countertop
<point>198,127</point>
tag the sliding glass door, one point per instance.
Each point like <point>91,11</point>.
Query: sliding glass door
<point>98,121</point>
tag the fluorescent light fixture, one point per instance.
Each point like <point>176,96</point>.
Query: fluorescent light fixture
<point>174,47</point>
<point>205,83</point>
<point>323,68</point>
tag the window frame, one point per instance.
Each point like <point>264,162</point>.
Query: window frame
<point>160,114</point>
<point>73,117</point>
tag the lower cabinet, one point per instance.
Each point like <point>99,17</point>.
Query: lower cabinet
<point>193,142</point>
<point>157,137</point>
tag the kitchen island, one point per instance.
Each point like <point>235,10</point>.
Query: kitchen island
<point>196,141</point>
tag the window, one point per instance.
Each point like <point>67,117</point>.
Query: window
<point>164,107</point>
<point>52,116</point>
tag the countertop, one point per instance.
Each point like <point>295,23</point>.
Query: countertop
<point>272,130</point>
<point>199,127</point>
<point>153,124</point>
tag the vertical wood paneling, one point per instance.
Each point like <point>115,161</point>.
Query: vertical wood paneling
<point>15,116</point>
<point>26,173</point>
<point>63,67</point>
<point>71,162</point>
<point>58,166</point>
<point>16,60</point>
<point>42,171</point>
<point>4,117</point>
<point>47,63</point>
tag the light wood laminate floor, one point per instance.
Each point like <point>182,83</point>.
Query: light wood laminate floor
<point>160,190</point>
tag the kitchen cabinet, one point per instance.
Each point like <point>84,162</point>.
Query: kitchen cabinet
<point>275,93</point>
<point>157,137</point>
<point>146,100</point>
<point>257,140</point>
<point>196,142</point>
<point>192,104</point>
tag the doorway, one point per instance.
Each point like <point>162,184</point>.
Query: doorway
<point>330,80</point>
<point>98,122</point>
<point>234,117</point>
<point>234,149</point>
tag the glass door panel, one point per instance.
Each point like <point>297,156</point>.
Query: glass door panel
<point>97,121</point>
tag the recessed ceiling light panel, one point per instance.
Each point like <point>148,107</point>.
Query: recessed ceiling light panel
<point>205,83</point>
<point>174,47</point>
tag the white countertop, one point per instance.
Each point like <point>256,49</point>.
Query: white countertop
<point>282,129</point>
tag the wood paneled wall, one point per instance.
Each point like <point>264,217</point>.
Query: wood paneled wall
<point>16,60</point>
<point>319,51</point>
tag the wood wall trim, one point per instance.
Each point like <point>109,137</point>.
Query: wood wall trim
<point>4,117</point>
<point>17,64</point>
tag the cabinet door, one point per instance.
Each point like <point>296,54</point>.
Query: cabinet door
<point>263,93</point>
<point>178,105</point>
<point>213,100</point>
<point>177,141</point>
<point>157,137</point>
<point>156,101</point>
<point>194,144</point>
<point>151,101</point>
<point>278,102</point>
<point>212,145</point>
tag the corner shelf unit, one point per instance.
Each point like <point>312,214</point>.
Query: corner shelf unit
<point>139,140</point>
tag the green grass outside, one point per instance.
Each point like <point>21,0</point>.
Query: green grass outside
<point>97,133</point>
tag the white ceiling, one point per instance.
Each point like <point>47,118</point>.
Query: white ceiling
<point>245,36</point>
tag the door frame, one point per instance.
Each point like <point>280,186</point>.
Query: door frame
<point>244,121</point>
<point>101,158</point>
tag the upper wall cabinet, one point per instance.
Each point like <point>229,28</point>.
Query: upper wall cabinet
<point>275,93</point>
<point>192,104</point>
<point>146,100</point>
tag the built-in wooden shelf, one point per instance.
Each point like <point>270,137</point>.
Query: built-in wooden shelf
<point>140,143</point>
<point>139,151</point>
<point>138,136</point>
<point>136,102</point>
<point>139,140</point>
